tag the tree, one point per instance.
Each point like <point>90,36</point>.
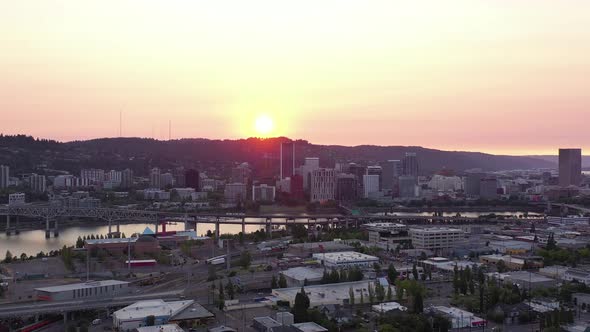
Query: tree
<point>23,257</point>
<point>379,292</point>
<point>245,259</point>
<point>282,281</point>
<point>150,320</point>
<point>79,242</point>
<point>230,289</point>
<point>415,272</point>
<point>389,295</point>
<point>418,303</point>
<point>501,266</point>
<point>377,267</point>
<point>300,306</point>
<point>212,273</point>
<point>371,293</point>
<point>8,257</point>
<point>351,295</point>
<point>273,283</point>
<point>551,244</point>
<point>391,273</point>
<point>456,280</point>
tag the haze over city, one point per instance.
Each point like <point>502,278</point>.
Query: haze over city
<point>492,76</point>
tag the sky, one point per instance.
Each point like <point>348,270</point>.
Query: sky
<point>498,76</point>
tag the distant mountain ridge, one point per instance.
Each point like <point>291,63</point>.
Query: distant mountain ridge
<point>142,153</point>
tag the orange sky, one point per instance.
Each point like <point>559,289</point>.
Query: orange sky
<point>496,76</point>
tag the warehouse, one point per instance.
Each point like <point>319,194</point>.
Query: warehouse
<point>86,290</point>
<point>298,276</point>
<point>524,279</point>
<point>346,259</point>
<point>135,315</point>
<point>460,318</point>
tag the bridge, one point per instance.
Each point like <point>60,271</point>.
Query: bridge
<point>37,308</point>
<point>191,220</point>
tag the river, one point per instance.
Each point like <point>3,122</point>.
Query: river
<point>31,242</point>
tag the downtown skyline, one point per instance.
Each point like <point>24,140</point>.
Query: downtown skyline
<point>463,75</point>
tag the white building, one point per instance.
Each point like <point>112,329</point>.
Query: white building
<point>65,181</point>
<point>156,194</point>
<point>436,238</point>
<point>323,185</point>
<point>460,318</point>
<point>4,176</point>
<point>387,307</point>
<point>135,315</point>
<point>155,178</point>
<point>92,176</point>
<point>235,192</point>
<point>445,183</point>
<point>327,294</point>
<point>37,183</point>
<point>370,184</point>
<point>263,193</point>
<point>296,276</point>
<point>345,259</point>
<point>311,164</point>
<point>166,180</point>
<point>184,193</point>
<point>16,199</point>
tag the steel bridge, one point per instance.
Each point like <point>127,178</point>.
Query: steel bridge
<point>114,216</point>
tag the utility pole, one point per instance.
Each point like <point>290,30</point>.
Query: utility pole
<point>87,264</point>
<point>129,255</point>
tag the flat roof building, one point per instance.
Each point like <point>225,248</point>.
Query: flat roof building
<point>309,327</point>
<point>85,290</point>
<point>524,279</point>
<point>436,238</point>
<point>460,318</point>
<point>135,315</point>
<point>297,276</point>
<point>345,259</point>
<point>327,294</point>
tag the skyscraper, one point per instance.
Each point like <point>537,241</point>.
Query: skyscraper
<point>287,159</point>
<point>4,176</point>
<point>410,164</point>
<point>192,178</point>
<point>323,184</point>
<point>155,178</point>
<point>37,183</point>
<point>390,170</point>
<point>370,185</point>
<point>127,178</point>
<point>377,171</point>
<point>311,164</point>
<point>570,167</point>
<point>346,187</point>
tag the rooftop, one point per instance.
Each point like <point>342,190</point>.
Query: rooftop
<point>151,307</point>
<point>112,240</point>
<point>266,321</point>
<point>436,230</point>
<point>345,256</point>
<point>82,285</point>
<point>302,273</point>
<point>310,327</point>
<point>160,328</point>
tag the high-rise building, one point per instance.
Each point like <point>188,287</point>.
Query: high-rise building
<point>241,173</point>
<point>310,165</point>
<point>235,192</point>
<point>92,176</point>
<point>323,184</point>
<point>166,180</point>
<point>4,176</point>
<point>570,167</point>
<point>375,170</point>
<point>437,238</point>
<point>155,178</point>
<point>390,170</point>
<point>410,164</point>
<point>346,187</point>
<point>127,178</point>
<point>370,185</point>
<point>408,187</point>
<point>192,178</point>
<point>488,188</point>
<point>287,159</point>
<point>473,184</point>
<point>358,171</point>
<point>297,187</point>
<point>37,183</point>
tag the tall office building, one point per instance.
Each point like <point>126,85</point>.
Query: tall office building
<point>192,179</point>
<point>166,180</point>
<point>323,185</point>
<point>390,170</point>
<point>570,167</point>
<point>370,184</point>
<point>155,178</point>
<point>37,183</point>
<point>488,188</point>
<point>473,184</point>
<point>92,176</point>
<point>4,176</point>
<point>346,187</point>
<point>410,164</point>
<point>287,159</point>
<point>310,165</point>
<point>127,178</point>
<point>241,174</point>
<point>408,187</point>
<point>375,170</point>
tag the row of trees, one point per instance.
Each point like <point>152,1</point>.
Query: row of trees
<point>80,241</point>
<point>342,275</point>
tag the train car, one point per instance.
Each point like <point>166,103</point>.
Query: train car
<point>142,262</point>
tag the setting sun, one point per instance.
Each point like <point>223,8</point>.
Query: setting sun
<point>263,125</point>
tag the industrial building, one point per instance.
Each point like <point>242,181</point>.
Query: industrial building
<point>345,259</point>
<point>298,276</point>
<point>387,235</point>
<point>326,294</point>
<point>510,262</point>
<point>511,247</point>
<point>92,290</point>
<point>524,279</point>
<point>387,307</point>
<point>460,318</point>
<point>135,315</point>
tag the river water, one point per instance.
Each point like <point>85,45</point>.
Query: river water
<point>31,242</point>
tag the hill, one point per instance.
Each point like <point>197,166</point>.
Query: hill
<point>140,154</point>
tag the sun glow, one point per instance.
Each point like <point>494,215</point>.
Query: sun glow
<point>263,125</point>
